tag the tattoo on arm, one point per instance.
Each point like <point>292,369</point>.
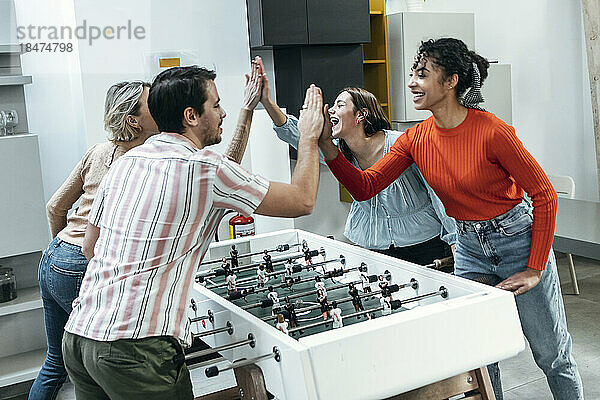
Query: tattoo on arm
<point>237,146</point>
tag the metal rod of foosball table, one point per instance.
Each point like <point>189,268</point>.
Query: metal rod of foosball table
<point>210,316</point>
<point>394,305</point>
<point>325,322</point>
<point>200,277</point>
<point>441,292</point>
<point>316,306</point>
<point>280,248</point>
<point>298,295</point>
<point>315,291</point>
<point>215,370</point>
<point>250,341</point>
<point>281,272</point>
<point>392,289</point>
<point>227,328</point>
<point>281,261</point>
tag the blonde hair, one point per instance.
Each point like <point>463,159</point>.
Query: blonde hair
<point>122,99</point>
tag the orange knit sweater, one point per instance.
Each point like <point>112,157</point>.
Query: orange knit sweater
<point>478,169</point>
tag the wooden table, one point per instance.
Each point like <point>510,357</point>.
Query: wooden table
<point>578,228</point>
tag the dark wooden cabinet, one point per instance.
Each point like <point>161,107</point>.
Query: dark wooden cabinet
<point>330,67</point>
<point>338,21</point>
<point>307,22</point>
<point>277,22</point>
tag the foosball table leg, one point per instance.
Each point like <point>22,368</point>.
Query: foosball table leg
<point>250,385</point>
<point>475,385</point>
<point>251,382</point>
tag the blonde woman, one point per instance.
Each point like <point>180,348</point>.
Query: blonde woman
<point>128,123</point>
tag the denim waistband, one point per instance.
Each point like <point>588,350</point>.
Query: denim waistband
<point>56,242</point>
<point>493,223</point>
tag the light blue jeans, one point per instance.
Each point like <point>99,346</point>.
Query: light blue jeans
<point>491,251</point>
<point>60,274</point>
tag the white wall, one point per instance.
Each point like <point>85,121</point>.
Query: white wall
<point>66,101</point>
<point>215,33</point>
<point>55,99</point>
<point>543,41</point>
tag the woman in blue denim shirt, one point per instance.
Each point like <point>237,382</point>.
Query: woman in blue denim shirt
<point>129,123</point>
<point>406,220</point>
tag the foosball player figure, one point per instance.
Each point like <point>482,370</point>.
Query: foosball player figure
<point>289,283</point>
<point>356,300</point>
<point>234,257</point>
<point>273,296</point>
<point>291,309</point>
<point>320,286</point>
<point>387,275</point>
<point>277,309</point>
<point>261,276</point>
<point>281,324</point>
<point>288,270</point>
<point>246,292</point>
<point>365,283</point>
<point>231,279</point>
<point>336,314</point>
<point>268,262</point>
<point>387,308</point>
<point>225,266</point>
<point>325,307</point>
<point>385,289</point>
<point>306,251</point>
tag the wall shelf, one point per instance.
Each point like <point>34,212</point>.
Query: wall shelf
<point>13,80</point>
<point>27,299</point>
<point>16,136</point>
<point>10,49</point>
<point>375,56</point>
<point>21,367</point>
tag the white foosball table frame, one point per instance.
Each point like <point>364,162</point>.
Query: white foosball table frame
<point>374,359</point>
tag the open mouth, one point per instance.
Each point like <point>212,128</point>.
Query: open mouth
<point>417,96</point>
<point>334,121</point>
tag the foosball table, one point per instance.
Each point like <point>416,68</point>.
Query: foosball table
<point>328,320</point>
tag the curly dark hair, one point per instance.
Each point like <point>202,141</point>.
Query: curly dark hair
<point>454,57</point>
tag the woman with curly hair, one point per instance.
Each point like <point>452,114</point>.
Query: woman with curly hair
<point>128,123</point>
<point>479,169</point>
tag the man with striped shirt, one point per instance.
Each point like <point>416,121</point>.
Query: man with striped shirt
<point>150,225</point>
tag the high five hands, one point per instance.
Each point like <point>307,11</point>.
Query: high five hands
<point>254,85</point>
<point>312,119</point>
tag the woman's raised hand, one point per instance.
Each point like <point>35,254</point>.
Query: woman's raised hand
<point>326,133</point>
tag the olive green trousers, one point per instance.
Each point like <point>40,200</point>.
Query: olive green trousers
<point>127,369</point>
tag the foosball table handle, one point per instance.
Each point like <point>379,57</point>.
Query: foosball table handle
<point>213,371</point>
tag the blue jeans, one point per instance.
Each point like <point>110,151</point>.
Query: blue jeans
<point>491,251</point>
<point>60,274</point>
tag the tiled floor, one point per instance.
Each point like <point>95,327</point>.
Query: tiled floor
<point>521,378</point>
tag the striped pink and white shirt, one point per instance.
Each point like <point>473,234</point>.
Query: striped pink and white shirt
<point>157,210</point>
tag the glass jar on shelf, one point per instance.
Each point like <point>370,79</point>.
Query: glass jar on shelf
<point>12,120</point>
<point>8,285</point>
<point>2,123</point>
